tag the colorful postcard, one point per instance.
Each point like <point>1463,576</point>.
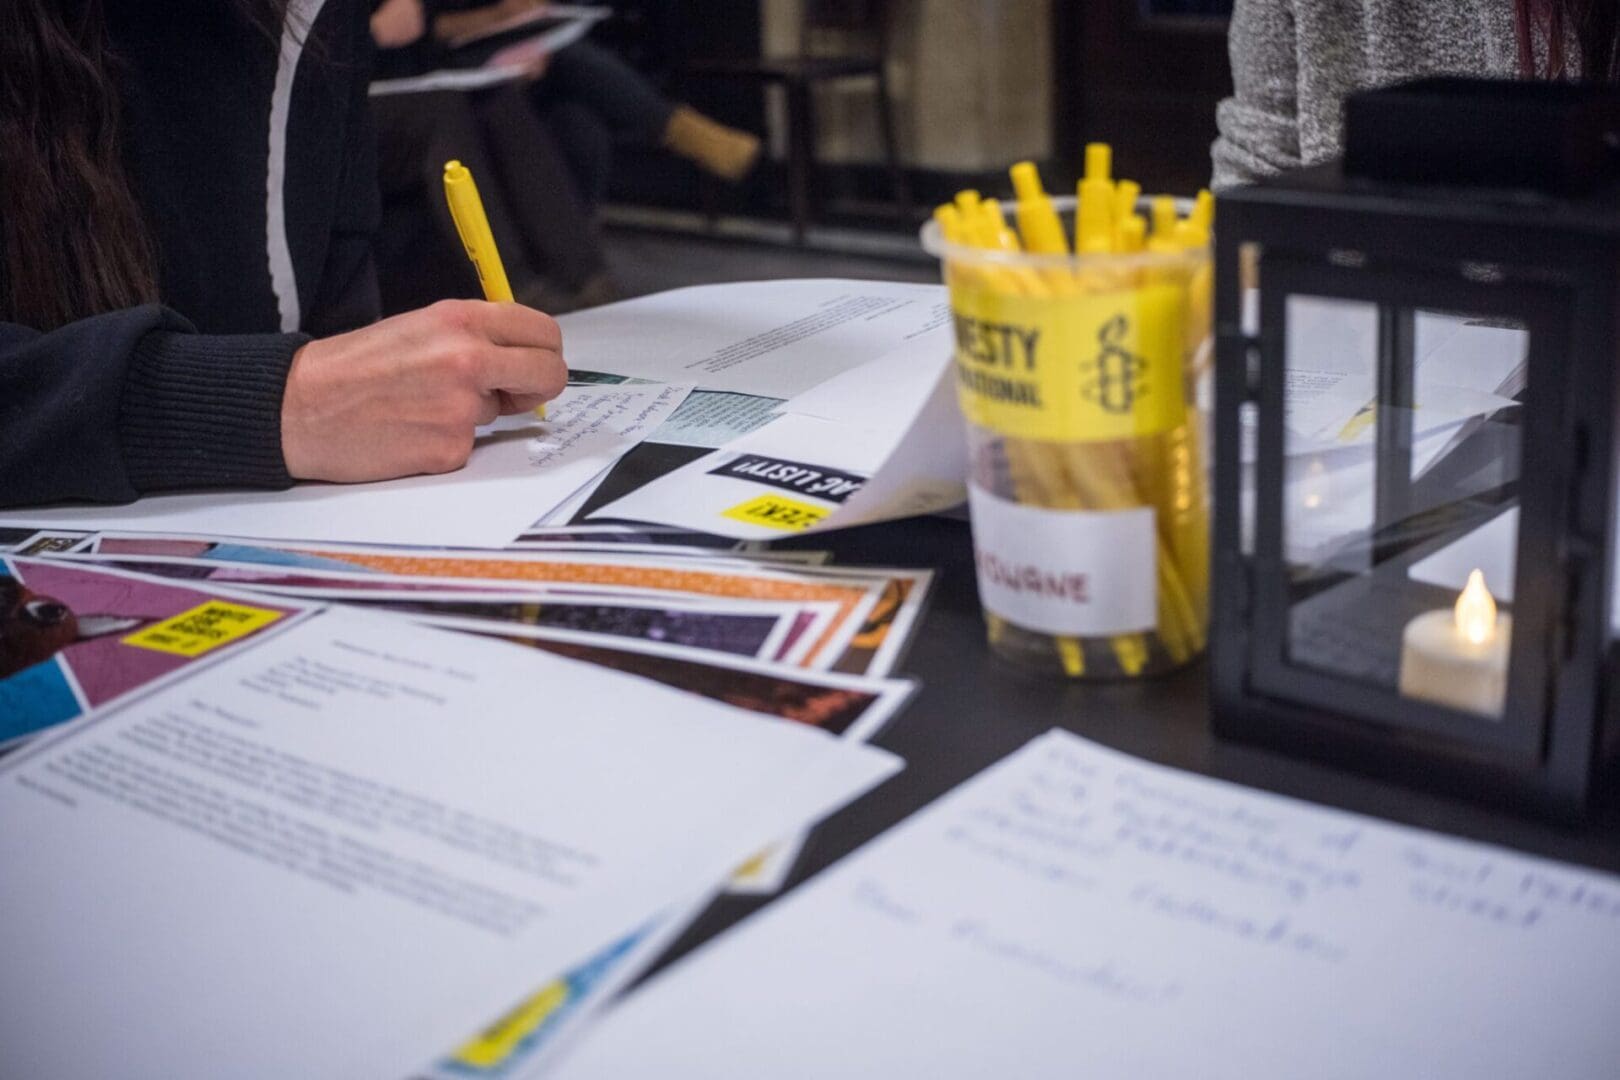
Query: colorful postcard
<point>851,706</point>
<point>783,631</point>
<point>614,573</point>
<point>872,645</point>
<point>879,644</point>
<point>75,636</point>
<point>754,634</point>
<point>30,541</point>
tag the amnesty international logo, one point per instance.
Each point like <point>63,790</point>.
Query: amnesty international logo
<point>1073,368</point>
<point>1114,379</point>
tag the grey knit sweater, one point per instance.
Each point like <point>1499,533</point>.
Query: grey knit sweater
<point>1293,62</point>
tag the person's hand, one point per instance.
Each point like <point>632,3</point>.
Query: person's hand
<point>511,9</point>
<point>403,396</point>
<point>397,23</point>
<point>535,69</point>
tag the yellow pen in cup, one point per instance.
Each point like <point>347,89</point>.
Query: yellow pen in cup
<point>467,211</point>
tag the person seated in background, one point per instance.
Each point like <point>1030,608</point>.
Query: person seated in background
<point>547,235</point>
<point>187,293</point>
<point>1295,61</point>
<point>591,99</point>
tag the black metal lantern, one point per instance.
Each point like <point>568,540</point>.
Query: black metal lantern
<point>1416,407</point>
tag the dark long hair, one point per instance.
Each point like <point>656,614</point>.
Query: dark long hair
<point>73,241</point>
<point>1547,28</point>
<point>71,234</point>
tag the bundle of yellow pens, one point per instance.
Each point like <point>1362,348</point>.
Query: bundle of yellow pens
<point>1082,328</point>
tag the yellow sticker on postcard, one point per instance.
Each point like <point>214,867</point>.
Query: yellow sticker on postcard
<point>776,512</point>
<point>493,1046</point>
<point>1081,368</point>
<point>204,627</point>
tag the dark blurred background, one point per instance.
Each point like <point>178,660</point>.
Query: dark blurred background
<point>973,85</point>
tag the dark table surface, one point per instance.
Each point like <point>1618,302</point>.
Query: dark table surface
<point>973,708</point>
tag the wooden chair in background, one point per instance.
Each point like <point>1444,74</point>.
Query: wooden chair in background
<point>863,23</point>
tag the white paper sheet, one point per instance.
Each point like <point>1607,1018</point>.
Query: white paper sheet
<point>333,854</point>
<point>781,480</point>
<point>564,512</point>
<point>772,338</point>
<point>879,442</point>
<point>1076,912</point>
<point>1461,367</point>
<point>925,472</point>
<point>525,1041</point>
<point>521,468</point>
<point>1492,549</point>
<point>1328,499</point>
<point>897,384</point>
<point>466,79</point>
<point>567,24</point>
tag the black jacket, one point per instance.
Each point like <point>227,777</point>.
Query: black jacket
<point>256,169</point>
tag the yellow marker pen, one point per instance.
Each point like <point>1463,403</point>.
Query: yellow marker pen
<point>1126,195</point>
<point>967,204</point>
<point>1193,231</point>
<point>991,212</point>
<point>981,232</point>
<point>1163,237</point>
<point>1037,220</point>
<point>1094,220</point>
<point>1099,161</point>
<point>467,211</point>
<point>993,234</point>
<point>1189,236</point>
<point>1130,234</point>
<point>1203,211</point>
<point>997,234</point>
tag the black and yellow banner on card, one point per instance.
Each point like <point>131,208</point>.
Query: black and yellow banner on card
<point>202,628</point>
<point>1088,367</point>
<point>777,512</point>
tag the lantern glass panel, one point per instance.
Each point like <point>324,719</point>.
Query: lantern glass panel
<point>1400,475</point>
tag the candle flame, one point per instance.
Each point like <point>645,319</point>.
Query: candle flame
<point>1475,612</point>
<point>1316,484</point>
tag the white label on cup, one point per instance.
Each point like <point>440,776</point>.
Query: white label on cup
<point>1080,572</point>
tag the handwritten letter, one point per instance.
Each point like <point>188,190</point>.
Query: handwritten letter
<point>1076,912</point>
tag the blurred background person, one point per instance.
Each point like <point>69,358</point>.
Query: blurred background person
<point>1295,61</point>
<point>591,99</point>
<point>547,233</point>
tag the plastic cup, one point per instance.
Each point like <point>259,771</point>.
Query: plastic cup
<point>1088,496</point>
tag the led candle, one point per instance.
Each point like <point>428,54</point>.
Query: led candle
<point>1459,658</point>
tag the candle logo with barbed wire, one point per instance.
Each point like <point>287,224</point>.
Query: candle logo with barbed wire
<point>1117,377</point>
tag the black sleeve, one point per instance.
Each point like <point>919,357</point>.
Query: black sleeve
<point>348,295</point>
<point>118,405</point>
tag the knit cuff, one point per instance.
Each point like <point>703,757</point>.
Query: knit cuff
<point>205,411</point>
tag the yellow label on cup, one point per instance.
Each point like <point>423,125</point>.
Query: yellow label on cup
<point>1082,368</point>
<point>204,627</point>
<point>776,512</point>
